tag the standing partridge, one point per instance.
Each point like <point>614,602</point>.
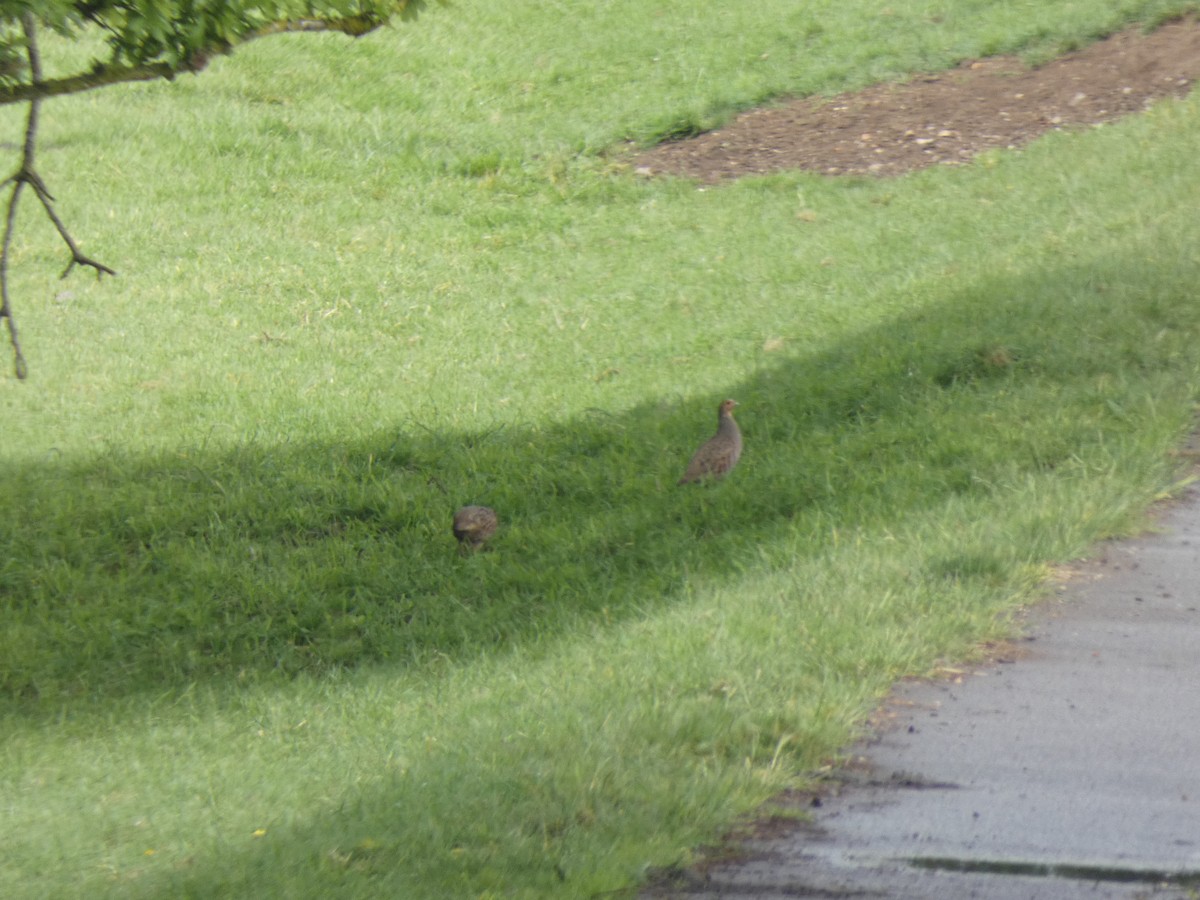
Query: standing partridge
<point>473,525</point>
<point>720,453</point>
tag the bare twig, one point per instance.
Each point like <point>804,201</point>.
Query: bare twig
<point>27,175</point>
<point>101,75</point>
<point>5,307</point>
<point>77,257</point>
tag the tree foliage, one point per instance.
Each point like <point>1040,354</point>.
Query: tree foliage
<point>141,40</point>
<point>159,38</point>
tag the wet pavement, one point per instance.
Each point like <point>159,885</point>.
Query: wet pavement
<point>1071,770</point>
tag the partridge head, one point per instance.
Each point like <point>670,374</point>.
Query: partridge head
<point>719,453</point>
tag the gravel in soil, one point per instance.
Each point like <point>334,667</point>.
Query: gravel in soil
<point>945,118</point>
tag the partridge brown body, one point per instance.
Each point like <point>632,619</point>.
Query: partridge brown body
<point>473,525</point>
<point>720,453</point>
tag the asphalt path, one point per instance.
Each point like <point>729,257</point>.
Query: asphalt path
<point>1068,769</point>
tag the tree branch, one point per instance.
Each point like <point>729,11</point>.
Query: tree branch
<point>101,75</point>
<point>150,68</point>
<point>355,26</point>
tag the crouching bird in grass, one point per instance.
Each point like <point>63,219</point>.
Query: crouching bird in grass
<point>719,453</point>
<point>473,525</point>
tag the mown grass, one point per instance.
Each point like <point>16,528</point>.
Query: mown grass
<point>239,655</point>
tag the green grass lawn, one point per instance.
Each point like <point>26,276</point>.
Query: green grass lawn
<point>239,655</point>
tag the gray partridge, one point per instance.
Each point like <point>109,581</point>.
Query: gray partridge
<point>719,453</point>
<point>473,525</point>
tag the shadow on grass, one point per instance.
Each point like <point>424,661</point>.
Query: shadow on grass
<point>129,573</point>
